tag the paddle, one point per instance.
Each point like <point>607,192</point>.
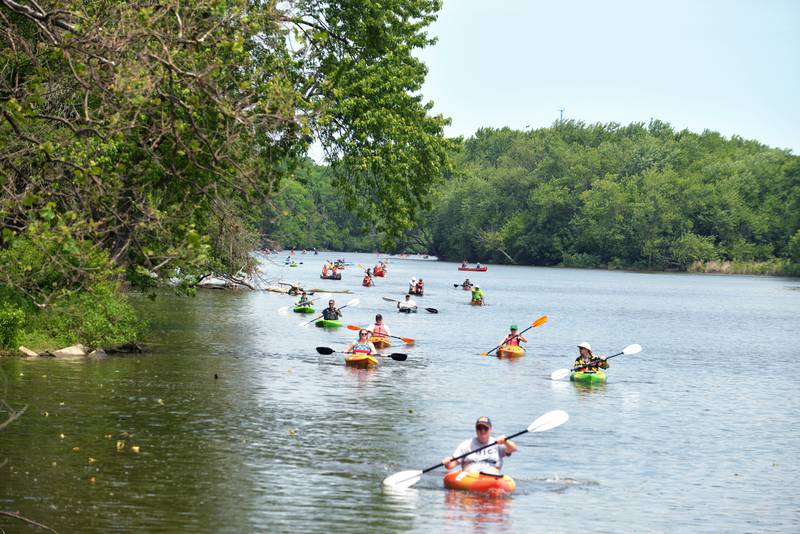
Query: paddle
<point>538,322</point>
<point>431,310</point>
<point>405,339</point>
<point>406,479</point>
<point>461,285</point>
<point>563,373</point>
<point>353,302</point>
<point>396,356</point>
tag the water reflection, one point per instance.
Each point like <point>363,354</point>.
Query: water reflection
<point>481,511</point>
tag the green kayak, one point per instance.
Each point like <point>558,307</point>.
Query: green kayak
<point>304,309</point>
<point>325,323</point>
<point>598,377</point>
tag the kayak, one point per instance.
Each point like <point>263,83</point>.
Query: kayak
<point>474,269</point>
<point>476,303</point>
<point>360,360</point>
<point>416,293</point>
<point>336,276</point>
<point>482,482</point>
<point>407,310</point>
<point>294,265</point>
<point>328,323</point>
<point>366,283</point>
<point>304,309</point>
<point>380,342</point>
<point>598,377</point>
<point>380,274</point>
<point>467,288</point>
<point>510,351</point>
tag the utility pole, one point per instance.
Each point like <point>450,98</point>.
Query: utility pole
<point>561,119</point>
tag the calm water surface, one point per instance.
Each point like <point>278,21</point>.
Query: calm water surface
<point>698,433</point>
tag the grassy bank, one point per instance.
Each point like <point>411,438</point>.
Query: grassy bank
<point>775,267</point>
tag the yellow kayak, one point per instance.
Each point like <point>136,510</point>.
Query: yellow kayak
<point>380,342</point>
<point>510,351</point>
<point>360,360</point>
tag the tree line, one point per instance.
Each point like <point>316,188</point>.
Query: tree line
<point>641,196</point>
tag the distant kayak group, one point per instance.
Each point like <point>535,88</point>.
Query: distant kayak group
<point>480,458</point>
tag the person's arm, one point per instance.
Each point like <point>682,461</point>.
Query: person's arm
<point>449,463</point>
<point>511,447</point>
<point>350,347</point>
<point>372,349</point>
<point>523,338</point>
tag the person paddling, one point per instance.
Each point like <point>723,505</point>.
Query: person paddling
<point>331,313</point>
<point>477,295</point>
<point>490,459</point>
<point>467,284</point>
<point>379,329</point>
<point>588,362</point>
<point>408,304</point>
<point>362,345</point>
<point>513,338</point>
<point>304,301</point>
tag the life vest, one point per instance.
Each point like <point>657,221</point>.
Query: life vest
<point>361,348</point>
<point>379,331</point>
<point>367,281</point>
<point>514,341</point>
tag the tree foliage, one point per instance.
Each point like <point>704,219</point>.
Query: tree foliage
<point>149,130</point>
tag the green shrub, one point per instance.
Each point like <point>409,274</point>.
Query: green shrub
<point>11,319</point>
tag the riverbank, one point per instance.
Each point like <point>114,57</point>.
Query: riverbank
<point>775,267</point>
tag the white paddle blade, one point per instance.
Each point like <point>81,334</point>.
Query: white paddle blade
<point>559,374</point>
<point>304,325</point>
<point>353,302</point>
<point>283,310</point>
<point>403,479</point>
<point>549,421</point>
<point>632,349</point>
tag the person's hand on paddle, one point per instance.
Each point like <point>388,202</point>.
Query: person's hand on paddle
<point>448,462</point>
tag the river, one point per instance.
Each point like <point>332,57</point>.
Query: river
<point>240,426</point>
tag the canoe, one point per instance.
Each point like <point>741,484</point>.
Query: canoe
<point>304,309</point>
<point>338,276</point>
<point>360,360</point>
<point>482,482</point>
<point>474,269</point>
<point>510,351</point>
<point>598,377</point>
<point>407,310</point>
<point>327,323</point>
<point>380,342</point>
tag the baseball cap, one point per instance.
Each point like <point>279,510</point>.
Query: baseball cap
<point>483,421</point>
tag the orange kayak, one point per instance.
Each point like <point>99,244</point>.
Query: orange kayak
<point>360,360</point>
<point>380,342</point>
<point>510,351</point>
<point>482,482</point>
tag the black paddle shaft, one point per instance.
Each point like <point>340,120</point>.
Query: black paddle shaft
<point>604,359</point>
<point>492,444</point>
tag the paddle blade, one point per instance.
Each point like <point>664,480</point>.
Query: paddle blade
<point>403,479</point>
<point>325,350</point>
<point>387,299</point>
<point>282,310</point>
<point>398,357</point>
<point>353,327</point>
<point>549,421</point>
<point>539,322</point>
<point>632,349</point>
<point>353,302</point>
<point>432,310</point>
<point>560,374</point>
<point>407,340</point>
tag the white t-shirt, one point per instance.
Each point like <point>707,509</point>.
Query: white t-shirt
<point>488,459</point>
<point>408,303</point>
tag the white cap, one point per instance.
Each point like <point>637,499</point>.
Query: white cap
<point>585,345</point>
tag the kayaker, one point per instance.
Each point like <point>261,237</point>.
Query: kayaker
<point>324,269</point>
<point>407,304</point>
<point>420,287</point>
<point>478,266</point>
<point>477,295</point>
<point>467,284</point>
<point>379,329</point>
<point>331,313</point>
<point>412,284</point>
<point>367,281</point>
<point>490,459</point>
<point>304,301</point>
<point>588,361</point>
<point>513,338</point>
<point>362,345</point>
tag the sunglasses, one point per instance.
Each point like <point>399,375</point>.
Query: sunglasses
<point>482,428</point>
<point>363,334</point>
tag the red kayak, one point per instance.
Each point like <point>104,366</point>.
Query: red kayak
<point>478,269</point>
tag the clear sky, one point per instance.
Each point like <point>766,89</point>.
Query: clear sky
<point>732,66</point>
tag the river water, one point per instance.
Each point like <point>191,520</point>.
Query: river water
<point>242,427</point>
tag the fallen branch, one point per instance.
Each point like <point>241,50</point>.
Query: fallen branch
<point>16,515</point>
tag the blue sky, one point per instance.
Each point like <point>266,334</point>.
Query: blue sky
<point>730,66</point>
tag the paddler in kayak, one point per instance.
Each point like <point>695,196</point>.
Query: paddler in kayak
<point>513,338</point>
<point>408,304</point>
<point>490,459</point>
<point>304,301</point>
<point>331,313</point>
<point>379,329</point>
<point>367,281</point>
<point>466,284</point>
<point>588,361</point>
<point>412,284</point>
<point>362,345</point>
<point>477,296</point>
